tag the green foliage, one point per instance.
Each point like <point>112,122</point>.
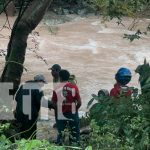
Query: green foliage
<point>144,79</point>
<point>2,2</point>
<point>110,9</point>
<point>121,123</point>
<point>4,127</point>
<point>89,148</point>
<point>23,144</point>
<point>137,35</point>
<point>132,37</point>
<point>1,7</point>
<point>36,144</point>
<point>119,8</point>
<point>4,143</point>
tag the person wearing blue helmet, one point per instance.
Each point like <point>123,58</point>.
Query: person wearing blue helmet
<point>123,77</point>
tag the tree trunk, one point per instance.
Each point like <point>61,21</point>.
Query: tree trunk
<point>16,49</point>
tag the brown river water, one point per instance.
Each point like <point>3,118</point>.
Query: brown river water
<point>91,50</point>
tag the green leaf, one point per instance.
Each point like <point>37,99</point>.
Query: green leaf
<point>89,148</point>
<point>90,102</point>
<point>95,97</point>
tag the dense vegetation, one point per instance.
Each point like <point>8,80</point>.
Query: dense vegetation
<point>112,8</point>
<point>124,123</point>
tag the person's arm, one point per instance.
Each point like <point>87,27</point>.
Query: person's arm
<point>38,97</point>
<point>51,105</point>
<point>47,103</point>
<point>79,103</point>
<point>78,99</point>
<point>114,92</point>
<point>54,100</point>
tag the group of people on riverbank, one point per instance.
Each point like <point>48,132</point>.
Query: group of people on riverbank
<point>65,101</point>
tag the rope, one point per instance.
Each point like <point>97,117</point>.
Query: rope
<point>17,63</point>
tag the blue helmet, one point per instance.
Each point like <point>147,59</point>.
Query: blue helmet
<point>123,76</point>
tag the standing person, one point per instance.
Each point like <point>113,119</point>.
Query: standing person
<point>65,98</point>
<point>55,69</point>
<point>28,102</point>
<point>123,77</point>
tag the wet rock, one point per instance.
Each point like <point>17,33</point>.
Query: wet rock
<point>46,130</point>
<point>58,10</point>
<point>85,130</point>
<point>82,12</point>
<point>65,7</point>
<point>65,11</point>
<point>54,19</point>
<point>54,22</point>
<point>3,52</point>
<point>11,131</point>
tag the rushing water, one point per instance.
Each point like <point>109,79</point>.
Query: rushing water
<point>87,48</point>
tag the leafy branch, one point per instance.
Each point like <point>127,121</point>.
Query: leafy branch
<point>132,37</point>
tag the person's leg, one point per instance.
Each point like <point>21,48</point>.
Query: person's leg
<point>29,130</point>
<point>75,132</point>
<point>61,124</point>
<point>55,124</point>
<point>75,128</point>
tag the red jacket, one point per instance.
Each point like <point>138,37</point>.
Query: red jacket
<point>66,96</point>
<point>116,91</point>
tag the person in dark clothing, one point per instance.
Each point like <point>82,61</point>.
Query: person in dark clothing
<point>28,103</point>
<point>67,107</point>
<point>55,69</point>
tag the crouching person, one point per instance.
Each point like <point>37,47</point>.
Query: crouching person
<point>28,103</point>
<point>67,101</point>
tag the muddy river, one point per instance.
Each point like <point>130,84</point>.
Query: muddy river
<point>91,50</point>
